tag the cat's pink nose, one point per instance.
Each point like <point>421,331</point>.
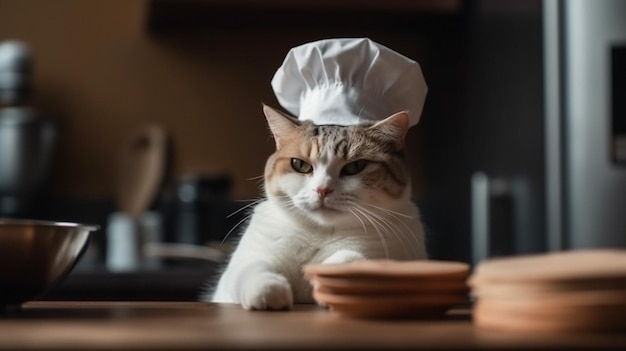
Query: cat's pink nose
<point>322,192</point>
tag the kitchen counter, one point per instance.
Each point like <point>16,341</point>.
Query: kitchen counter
<point>167,284</point>
<point>196,326</point>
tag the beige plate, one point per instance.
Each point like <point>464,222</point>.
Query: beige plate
<point>572,266</point>
<point>514,318</point>
<point>565,310</point>
<point>388,268</point>
<point>524,290</point>
<point>570,299</point>
<point>385,306</point>
<point>355,286</point>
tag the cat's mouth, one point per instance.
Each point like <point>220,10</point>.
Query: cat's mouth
<point>325,209</point>
<point>320,208</point>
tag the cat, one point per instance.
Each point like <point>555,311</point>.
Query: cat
<point>334,194</point>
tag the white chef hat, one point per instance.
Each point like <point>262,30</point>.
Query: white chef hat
<point>349,81</point>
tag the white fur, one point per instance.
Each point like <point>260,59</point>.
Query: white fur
<point>287,232</point>
<point>265,271</point>
<point>277,246</point>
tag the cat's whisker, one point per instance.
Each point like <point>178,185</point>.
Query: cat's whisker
<point>253,203</point>
<point>383,241</point>
<point>291,207</point>
<point>360,220</point>
<point>376,227</point>
<point>386,210</point>
<point>361,110</point>
<point>416,241</point>
<point>369,213</point>
<point>259,177</point>
<point>234,227</point>
<point>416,244</point>
<point>247,200</point>
<point>394,230</point>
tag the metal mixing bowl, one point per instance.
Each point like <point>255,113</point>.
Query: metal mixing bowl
<point>37,255</point>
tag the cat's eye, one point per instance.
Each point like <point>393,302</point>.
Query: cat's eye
<point>354,167</point>
<point>301,166</point>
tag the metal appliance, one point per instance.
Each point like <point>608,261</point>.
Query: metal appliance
<point>585,91</point>
<point>27,138</point>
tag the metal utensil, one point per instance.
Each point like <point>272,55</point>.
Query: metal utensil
<point>37,255</point>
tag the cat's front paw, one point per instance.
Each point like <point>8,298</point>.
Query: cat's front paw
<point>343,256</point>
<point>267,291</point>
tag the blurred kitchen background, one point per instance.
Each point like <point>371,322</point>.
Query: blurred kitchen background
<point>149,111</point>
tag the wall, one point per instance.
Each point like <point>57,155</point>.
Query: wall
<point>103,74</point>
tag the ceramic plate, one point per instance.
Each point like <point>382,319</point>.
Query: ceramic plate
<point>515,318</point>
<point>355,286</point>
<point>571,266</point>
<point>386,306</point>
<point>389,268</point>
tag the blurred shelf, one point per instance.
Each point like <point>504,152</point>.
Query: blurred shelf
<point>169,284</point>
<point>288,15</point>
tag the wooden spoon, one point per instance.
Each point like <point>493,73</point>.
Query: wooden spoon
<point>141,169</point>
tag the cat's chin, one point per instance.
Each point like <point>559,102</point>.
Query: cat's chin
<point>327,212</point>
<point>326,216</point>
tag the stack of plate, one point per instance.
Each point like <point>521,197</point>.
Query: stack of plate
<point>390,289</point>
<point>567,291</point>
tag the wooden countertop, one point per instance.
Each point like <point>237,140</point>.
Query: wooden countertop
<point>198,326</point>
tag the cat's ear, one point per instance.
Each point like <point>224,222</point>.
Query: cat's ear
<point>394,127</point>
<point>281,125</point>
